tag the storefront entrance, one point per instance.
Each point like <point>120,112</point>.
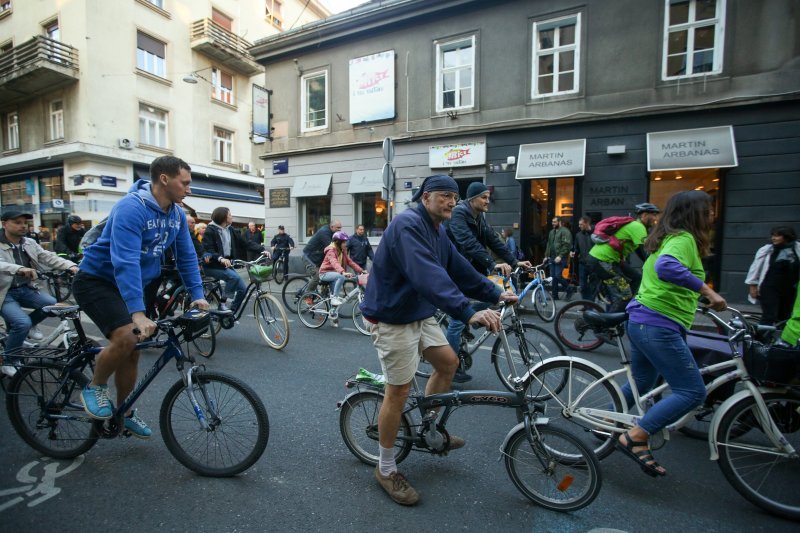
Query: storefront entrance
<point>546,198</point>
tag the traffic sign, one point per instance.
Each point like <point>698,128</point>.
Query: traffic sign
<point>388,150</point>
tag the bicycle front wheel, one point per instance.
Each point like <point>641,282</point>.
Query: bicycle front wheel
<point>358,423</point>
<point>272,321</point>
<point>544,304</point>
<point>528,349</point>
<point>358,319</point>
<point>560,383</point>
<point>761,472</point>
<point>59,288</point>
<point>572,330</point>
<point>278,270</point>
<point>292,290</point>
<point>238,427</point>
<point>313,310</point>
<point>46,411</point>
<point>553,468</point>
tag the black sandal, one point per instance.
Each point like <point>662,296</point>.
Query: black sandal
<point>644,458</point>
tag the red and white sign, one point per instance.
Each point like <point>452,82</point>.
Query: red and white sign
<point>457,155</point>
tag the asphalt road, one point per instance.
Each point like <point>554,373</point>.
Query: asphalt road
<point>307,480</point>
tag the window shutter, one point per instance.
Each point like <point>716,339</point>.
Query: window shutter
<point>148,44</point>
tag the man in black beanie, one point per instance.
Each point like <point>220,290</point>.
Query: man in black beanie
<point>472,235</point>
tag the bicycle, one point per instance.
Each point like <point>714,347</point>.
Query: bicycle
<point>751,432</point>
<point>542,302</point>
<point>268,312</point>
<point>59,284</point>
<point>279,266</point>
<point>314,308</point>
<point>297,284</point>
<point>532,450</point>
<point>569,325</point>
<point>212,423</point>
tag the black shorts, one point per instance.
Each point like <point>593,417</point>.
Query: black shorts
<point>102,302</point>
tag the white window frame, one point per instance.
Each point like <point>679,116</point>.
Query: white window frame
<point>149,62</point>
<point>218,92</point>
<point>304,81</point>
<point>274,16</point>
<point>156,121</point>
<point>223,145</point>
<point>556,52</point>
<point>158,3</point>
<point>447,46</point>
<point>56,120</point>
<point>12,131</point>
<point>719,38</point>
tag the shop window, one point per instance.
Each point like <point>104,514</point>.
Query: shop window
<point>314,99</point>
<point>50,187</point>
<point>565,198</point>
<point>556,54</point>
<point>221,86</point>
<point>12,131</point>
<point>665,183</point>
<point>315,212</point>
<point>373,213</point>
<point>152,126</point>
<point>693,38</point>
<point>151,55</point>
<point>17,193</point>
<point>56,120</point>
<point>455,79</point>
<point>223,145</point>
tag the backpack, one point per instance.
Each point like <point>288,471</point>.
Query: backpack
<point>605,229</point>
<point>91,236</point>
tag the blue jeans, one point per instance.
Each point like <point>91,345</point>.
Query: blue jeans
<point>18,322</point>
<point>556,269</point>
<point>234,284</point>
<point>335,278</point>
<point>455,327</point>
<point>661,351</point>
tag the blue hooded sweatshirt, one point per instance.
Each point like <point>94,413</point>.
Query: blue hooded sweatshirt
<point>136,235</point>
<point>417,270</point>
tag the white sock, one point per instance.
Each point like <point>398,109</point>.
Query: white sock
<point>387,465</point>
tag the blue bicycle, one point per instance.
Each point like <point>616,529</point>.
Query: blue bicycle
<point>541,300</point>
<point>212,423</point>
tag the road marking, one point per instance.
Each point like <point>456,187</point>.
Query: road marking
<point>32,486</point>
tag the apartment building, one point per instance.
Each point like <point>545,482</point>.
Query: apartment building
<point>91,91</point>
<point>565,107</point>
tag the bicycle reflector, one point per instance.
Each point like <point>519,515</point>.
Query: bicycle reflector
<point>565,483</point>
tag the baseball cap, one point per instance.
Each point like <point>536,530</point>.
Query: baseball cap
<point>281,227</point>
<point>8,215</point>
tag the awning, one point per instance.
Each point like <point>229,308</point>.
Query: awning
<point>242,212</point>
<point>688,149</point>
<point>316,185</point>
<point>365,181</point>
<point>557,159</point>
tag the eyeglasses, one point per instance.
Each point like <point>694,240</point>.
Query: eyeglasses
<point>447,195</point>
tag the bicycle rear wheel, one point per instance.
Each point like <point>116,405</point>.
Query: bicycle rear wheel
<point>358,423</point>
<point>543,303</point>
<point>238,426</point>
<point>534,346</point>
<point>756,468</point>
<point>272,321</point>
<point>313,310</point>
<point>46,411</point>
<point>278,270</point>
<point>552,468</point>
<point>572,330</point>
<point>292,290</point>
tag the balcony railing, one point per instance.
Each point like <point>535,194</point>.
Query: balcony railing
<point>35,67</point>
<point>213,40</point>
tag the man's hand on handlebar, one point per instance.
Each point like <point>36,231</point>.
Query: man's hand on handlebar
<point>524,264</point>
<point>27,272</point>
<point>504,268</point>
<point>508,297</point>
<point>225,262</point>
<point>200,304</point>
<point>715,301</point>
<point>74,269</point>
<point>488,318</point>
<point>144,325</point>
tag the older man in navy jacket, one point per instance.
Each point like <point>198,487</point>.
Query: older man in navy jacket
<point>417,270</point>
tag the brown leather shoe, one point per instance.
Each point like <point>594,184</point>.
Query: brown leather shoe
<point>456,442</point>
<point>397,487</point>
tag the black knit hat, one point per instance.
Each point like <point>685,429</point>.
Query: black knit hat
<point>476,188</point>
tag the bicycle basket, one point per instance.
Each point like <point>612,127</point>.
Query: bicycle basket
<point>194,323</point>
<point>773,364</point>
<point>259,273</point>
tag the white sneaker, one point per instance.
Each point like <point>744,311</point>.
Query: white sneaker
<point>335,300</point>
<point>35,334</point>
<point>335,323</point>
<point>8,370</point>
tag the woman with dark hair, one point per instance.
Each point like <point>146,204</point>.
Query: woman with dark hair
<point>774,274</point>
<point>662,312</point>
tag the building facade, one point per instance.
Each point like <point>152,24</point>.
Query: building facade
<point>562,108</point>
<point>92,91</point>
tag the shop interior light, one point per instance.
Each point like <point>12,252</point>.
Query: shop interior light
<point>678,177</point>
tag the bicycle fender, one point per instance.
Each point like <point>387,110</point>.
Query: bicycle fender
<point>356,392</point>
<point>590,364</point>
<point>541,421</point>
<point>723,409</point>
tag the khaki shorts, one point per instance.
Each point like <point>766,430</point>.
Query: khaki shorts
<point>399,346</point>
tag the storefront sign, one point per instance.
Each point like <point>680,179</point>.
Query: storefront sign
<point>279,197</point>
<point>687,149</point>
<point>58,203</point>
<point>372,87</point>
<point>108,181</point>
<point>365,181</point>
<point>558,159</point>
<point>280,166</point>
<point>316,185</point>
<point>457,155</point>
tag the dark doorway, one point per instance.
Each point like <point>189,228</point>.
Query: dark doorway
<point>542,200</point>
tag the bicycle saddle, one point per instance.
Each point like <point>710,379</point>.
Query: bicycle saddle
<point>604,320</point>
<point>60,310</point>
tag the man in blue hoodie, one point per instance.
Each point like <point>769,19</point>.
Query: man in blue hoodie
<point>417,270</point>
<point>118,266</point>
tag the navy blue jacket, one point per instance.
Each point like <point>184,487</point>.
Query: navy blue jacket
<point>315,247</point>
<point>417,270</point>
<point>472,236</point>
<point>360,249</point>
